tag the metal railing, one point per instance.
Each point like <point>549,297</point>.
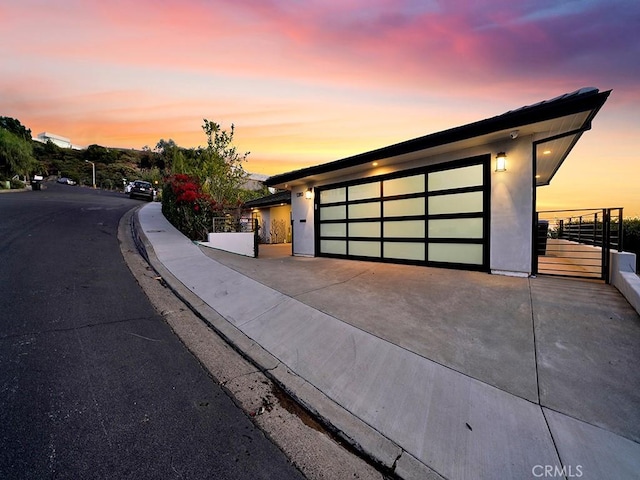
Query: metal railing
<point>233,224</point>
<point>577,243</point>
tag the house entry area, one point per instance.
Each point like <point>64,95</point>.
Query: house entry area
<point>437,216</point>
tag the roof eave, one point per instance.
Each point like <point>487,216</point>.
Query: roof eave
<point>591,100</point>
<point>586,126</point>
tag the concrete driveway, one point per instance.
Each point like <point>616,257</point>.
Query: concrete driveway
<point>434,373</point>
<point>568,344</point>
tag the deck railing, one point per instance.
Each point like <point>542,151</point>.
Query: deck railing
<point>233,224</point>
<point>577,242</point>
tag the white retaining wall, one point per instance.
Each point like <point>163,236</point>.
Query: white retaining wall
<point>624,277</point>
<point>240,243</point>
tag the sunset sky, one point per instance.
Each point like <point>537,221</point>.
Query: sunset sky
<point>307,82</point>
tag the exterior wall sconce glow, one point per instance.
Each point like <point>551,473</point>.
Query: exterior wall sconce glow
<point>501,162</point>
<point>308,194</point>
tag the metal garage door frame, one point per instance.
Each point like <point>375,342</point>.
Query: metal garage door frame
<point>337,215</point>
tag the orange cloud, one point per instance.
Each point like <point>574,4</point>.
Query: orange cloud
<point>314,81</point>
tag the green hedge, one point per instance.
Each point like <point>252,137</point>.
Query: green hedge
<point>631,238</point>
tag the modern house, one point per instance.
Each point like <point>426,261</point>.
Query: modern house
<point>60,141</point>
<point>461,198</point>
<point>254,181</point>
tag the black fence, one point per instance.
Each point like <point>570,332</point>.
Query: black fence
<point>234,224</point>
<point>577,242</point>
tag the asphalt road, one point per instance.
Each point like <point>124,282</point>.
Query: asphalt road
<point>93,382</point>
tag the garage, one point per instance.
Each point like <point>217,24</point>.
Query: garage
<point>429,216</point>
<point>459,198</point>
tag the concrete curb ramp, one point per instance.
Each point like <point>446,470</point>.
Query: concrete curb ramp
<point>411,414</point>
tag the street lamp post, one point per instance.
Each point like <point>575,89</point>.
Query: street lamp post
<point>93,165</point>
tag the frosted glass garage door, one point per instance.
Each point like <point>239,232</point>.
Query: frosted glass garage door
<point>434,216</point>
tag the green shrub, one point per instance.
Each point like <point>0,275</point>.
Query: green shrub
<point>17,183</point>
<point>631,238</point>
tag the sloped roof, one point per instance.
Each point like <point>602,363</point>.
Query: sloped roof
<point>277,198</point>
<point>579,107</point>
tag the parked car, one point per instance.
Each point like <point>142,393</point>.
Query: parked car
<point>66,181</point>
<point>142,189</point>
<point>127,188</point>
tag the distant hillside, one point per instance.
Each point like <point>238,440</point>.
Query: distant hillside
<point>113,165</point>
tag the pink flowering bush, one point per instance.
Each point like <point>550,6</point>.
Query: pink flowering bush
<point>187,207</point>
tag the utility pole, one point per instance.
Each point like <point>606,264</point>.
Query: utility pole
<point>93,165</point>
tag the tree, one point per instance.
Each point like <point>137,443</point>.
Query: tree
<point>631,238</point>
<point>16,155</point>
<point>15,127</point>
<point>171,156</point>
<point>219,166</point>
<point>147,158</point>
<point>98,154</point>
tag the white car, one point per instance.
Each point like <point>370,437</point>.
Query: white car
<point>66,181</point>
<point>127,188</point>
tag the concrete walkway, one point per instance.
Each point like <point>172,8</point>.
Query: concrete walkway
<point>435,373</point>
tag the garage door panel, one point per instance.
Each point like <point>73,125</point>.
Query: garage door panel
<point>333,195</point>
<point>469,202</point>
<point>364,191</point>
<point>453,178</point>
<point>365,249</point>
<point>404,251</point>
<point>456,228</point>
<point>333,230</point>
<point>404,229</point>
<point>456,253</point>
<point>405,207</point>
<point>334,247</point>
<point>338,212</point>
<point>403,185</point>
<point>364,229</point>
<point>364,210</point>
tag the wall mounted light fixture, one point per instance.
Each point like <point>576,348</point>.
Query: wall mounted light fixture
<point>308,194</point>
<point>501,162</point>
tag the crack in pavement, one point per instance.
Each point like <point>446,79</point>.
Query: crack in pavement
<point>71,329</point>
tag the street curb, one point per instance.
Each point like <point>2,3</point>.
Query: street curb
<point>14,190</point>
<point>369,442</point>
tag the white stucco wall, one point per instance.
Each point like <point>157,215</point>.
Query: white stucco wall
<point>624,278</point>
<point>303,231</point>
<point>240,243</point>
<point>512,209</point>
<point>511,215</point>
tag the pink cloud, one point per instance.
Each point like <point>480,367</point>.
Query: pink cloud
<point>354,44</point>
<point>314,79</point>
